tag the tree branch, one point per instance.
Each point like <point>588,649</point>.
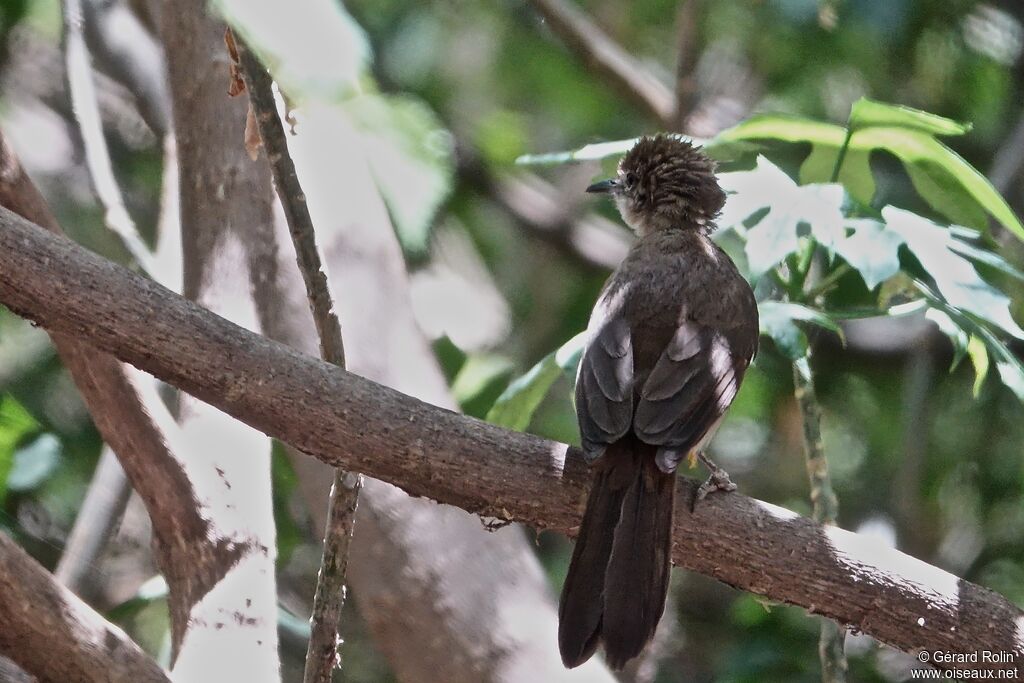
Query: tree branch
<point>602,54</point>
<point>55,636</point>
<point>322,655</point>
<point>140,430</point>
<point>351,422</point>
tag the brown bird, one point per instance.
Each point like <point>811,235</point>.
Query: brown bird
<point>668,343</point>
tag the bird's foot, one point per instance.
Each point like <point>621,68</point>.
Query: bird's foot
<point>718,481</point>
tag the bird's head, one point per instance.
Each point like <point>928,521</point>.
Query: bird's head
<point>665,182</point>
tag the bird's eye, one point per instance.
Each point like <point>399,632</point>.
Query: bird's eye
<point>630,180</point>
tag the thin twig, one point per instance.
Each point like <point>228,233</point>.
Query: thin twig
<point>90,125</point>
<point>825,509</point>
<point>322,655</point>
<point>687,30</point>
<point>602,54</point>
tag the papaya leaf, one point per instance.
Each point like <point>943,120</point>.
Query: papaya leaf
<point>778,320</point>
<point>775,234</point>
<point>1008,366</point>
<point>866,113</point>
<point>957,337</point>
<point>955,277</point>
<point>945,180</point>
<point>855,174</point>
<point>872,249</point>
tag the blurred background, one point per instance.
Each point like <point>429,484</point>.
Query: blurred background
<point>506,262</point>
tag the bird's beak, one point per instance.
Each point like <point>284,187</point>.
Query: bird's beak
<point>604,187</point>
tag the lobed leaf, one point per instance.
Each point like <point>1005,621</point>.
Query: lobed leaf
<point>778,320</point>
<point>872,250</point>
<point>955,277</point>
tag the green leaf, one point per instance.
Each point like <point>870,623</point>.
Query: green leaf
<point>872,249</point>
<point>15,424</point>
<point>1009,367</point>
<point>785,128</point>
<point>855,174</point>
<point>480,381</point>
<point>410,155</point>
<point>313,47</point>
<point>978,353</point>
<point>775,234</point>
<point>955,277</point>
<point>515,407</point>
<point>34,463</point>
<point>866,113</point>
<point>593,152</point>
<point>778,320</point>
<point>947,182</point>
<point>957,337</point>
<point>449,356</point>
<point>989,258</point>
<point>942,178</point>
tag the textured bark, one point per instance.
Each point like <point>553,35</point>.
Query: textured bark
<point>352,422</point>
<point>227,242</point>
<point>55,636</point>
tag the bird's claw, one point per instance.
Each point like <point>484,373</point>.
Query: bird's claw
<point>718,481</point>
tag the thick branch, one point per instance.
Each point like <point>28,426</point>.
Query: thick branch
<point>602,54</point>
<point>351,422</point>
<point>81,645</point>
<point>138,429</point>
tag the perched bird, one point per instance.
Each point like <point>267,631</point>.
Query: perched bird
<point>668,343</point>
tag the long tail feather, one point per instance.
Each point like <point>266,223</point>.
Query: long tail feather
<point>618,577</point>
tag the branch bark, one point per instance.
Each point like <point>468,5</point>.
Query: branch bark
<point>602,54</point>
<point>81,645</point>
<point>351,422</point>
<point>140,431</point>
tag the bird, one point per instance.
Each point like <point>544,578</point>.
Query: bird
<point>669,340</point>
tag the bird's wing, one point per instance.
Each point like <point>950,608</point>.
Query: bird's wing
<point>690,388</point>
<point>604,387</point>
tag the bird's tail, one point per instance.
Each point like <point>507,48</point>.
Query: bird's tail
<point>618,577</point>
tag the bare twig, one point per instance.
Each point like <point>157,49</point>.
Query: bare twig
<point>322,655</point>
<point>537,205</point>
<point>97,157</point>
<point>687,30</point>
<point>349,421</point>
<point>55,636</point>
<point>599,52</point>
<point>825,509</point>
